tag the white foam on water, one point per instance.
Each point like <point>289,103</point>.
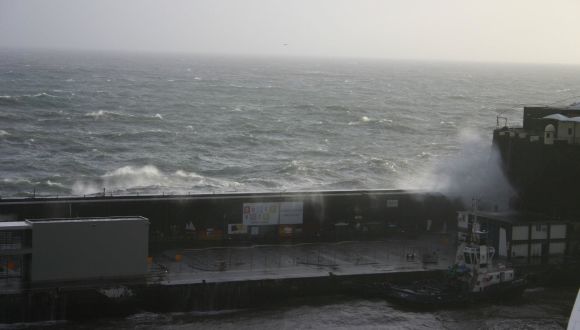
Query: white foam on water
<point>54,184</point>
<point>104,114</point>
<point>96,114</point>
<point>146,177</point>
<point>43,95</point>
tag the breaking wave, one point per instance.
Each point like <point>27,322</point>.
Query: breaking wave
<point>148,179</point>
<point>39,99</point>
<point>103,114</point>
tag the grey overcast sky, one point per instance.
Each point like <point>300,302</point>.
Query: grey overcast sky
<point>539,31</point>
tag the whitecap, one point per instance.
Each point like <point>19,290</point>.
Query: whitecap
<point>425,154</point>
<point>158,116</point>
<point>44,95</point>
<point>101,114</point>
<point>17,180</point>
<point>54,184</point>
<point>97,114</point>
<point>365,119</point>
<point>150,178</point>
<point>183,174</point>
<point>3,133</point>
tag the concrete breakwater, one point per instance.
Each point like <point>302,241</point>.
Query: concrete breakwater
<point>126,299</point>
<point>207,219</point>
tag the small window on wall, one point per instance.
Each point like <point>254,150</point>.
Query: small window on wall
<point>569,131</point>
<point>542,228</point>
<point>548,135</point>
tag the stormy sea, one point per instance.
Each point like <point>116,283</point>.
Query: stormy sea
<point>84,123</point>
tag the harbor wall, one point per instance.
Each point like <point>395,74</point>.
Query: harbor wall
<point>86,302</point>
<point>190,220</point>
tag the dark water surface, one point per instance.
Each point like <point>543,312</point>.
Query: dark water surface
<point>539,308</point>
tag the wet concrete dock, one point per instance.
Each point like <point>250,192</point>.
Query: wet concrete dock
<point>284,261</point>
<point>233,277</point>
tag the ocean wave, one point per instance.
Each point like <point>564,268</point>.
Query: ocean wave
<point>294,167</point>
<point>39,99</point>
<point>18,181</point>
<point>362,120</point>
<point>104,114</point>
<point>8,100</point>
<point>336,108</point>
<point>43,95</point>
<point>149,178</point>
<point>382,165</point>
<point>97,114</point>
<point>448,123</point>
<point>305,106</point>
<point>353,183</point>
<point>459,97</point>
<point>3,133</point>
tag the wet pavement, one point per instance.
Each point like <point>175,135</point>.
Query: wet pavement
<point>225,264</point>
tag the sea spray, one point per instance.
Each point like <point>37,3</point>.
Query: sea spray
<point>473,172</point>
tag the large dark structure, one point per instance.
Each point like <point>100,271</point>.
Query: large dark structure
<point>188,220</point>
<point>542,160</point>
<point>89,258</point>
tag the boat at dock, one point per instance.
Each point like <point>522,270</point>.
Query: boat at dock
<point>472,278</point>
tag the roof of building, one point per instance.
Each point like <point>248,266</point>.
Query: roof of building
<point>91,219</point>
<point>513,217</point>
<point>14,225</point>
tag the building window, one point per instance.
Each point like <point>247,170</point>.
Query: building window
<point>569,131</point>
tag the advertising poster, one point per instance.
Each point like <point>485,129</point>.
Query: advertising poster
<point>260,214</point>
<point>255,214</point>
<point>291,213</point>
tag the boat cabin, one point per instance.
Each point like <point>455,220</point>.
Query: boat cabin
<point>518,237</point>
